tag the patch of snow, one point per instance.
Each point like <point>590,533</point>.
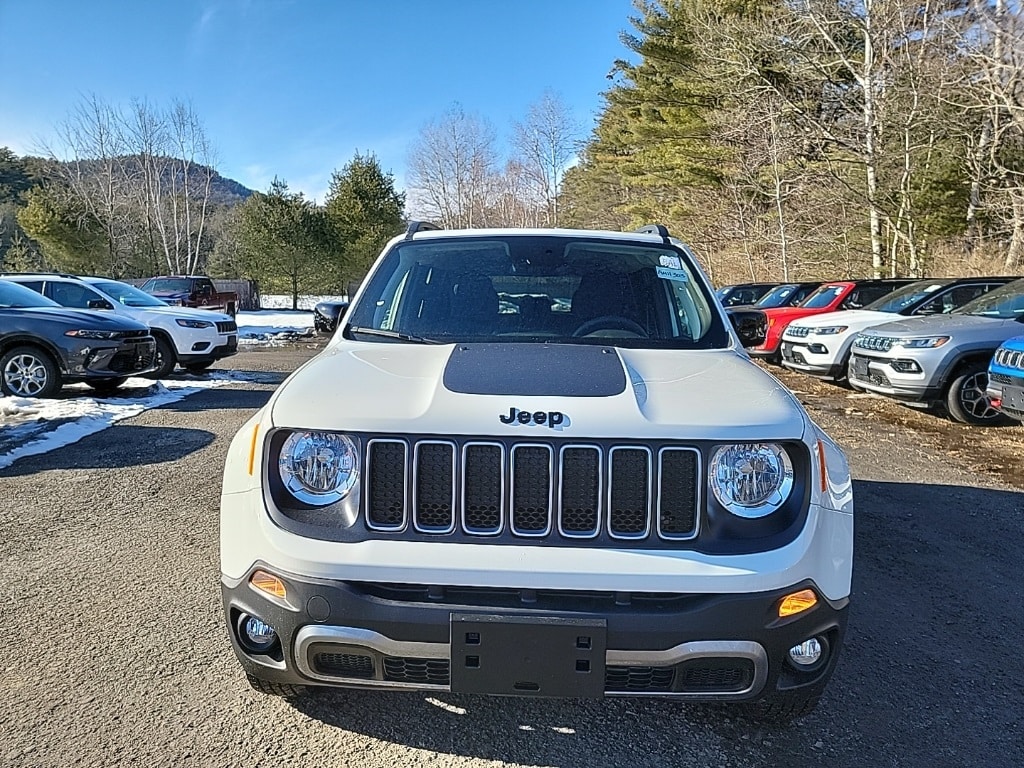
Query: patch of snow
<point>272,327</point>
<point>284,301</point>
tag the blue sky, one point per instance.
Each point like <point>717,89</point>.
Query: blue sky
<point>295,89</point>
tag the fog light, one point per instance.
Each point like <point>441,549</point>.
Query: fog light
<point>256,634</point>
<point>905,366</point>
<point>807,654</point>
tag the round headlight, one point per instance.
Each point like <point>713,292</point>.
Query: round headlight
<point>318,468</point>
<point>751,480</point>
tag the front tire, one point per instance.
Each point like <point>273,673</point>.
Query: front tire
<point>967,402</point>
<point>29,372</point>
<point>165,359</point>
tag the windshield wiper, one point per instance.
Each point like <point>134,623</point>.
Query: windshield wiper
<point>385,334</point>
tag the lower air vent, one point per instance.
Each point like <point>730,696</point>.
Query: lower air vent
<point>344,665</point>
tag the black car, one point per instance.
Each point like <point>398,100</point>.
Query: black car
<point>326,315</point>
<point>44,346</point>
<point>742,293</point>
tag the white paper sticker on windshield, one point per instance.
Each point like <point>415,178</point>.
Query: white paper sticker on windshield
<point>677,275</point>
<point>672,262</point>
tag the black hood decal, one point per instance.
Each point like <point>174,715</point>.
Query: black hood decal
<point>535,370</point>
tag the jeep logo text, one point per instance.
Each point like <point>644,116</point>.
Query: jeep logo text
<point>552,419</point>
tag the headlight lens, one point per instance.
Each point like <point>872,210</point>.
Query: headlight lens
<point>753,479</point>
<point>923,343</point>
<point>318,468</point>
<point>88,333</point>
<point>194,323</point>
<point>830,330</point>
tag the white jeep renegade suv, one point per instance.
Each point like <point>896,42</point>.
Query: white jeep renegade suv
<point>538,463</point>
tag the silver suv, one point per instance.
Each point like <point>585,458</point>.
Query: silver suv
<point>941,360</point>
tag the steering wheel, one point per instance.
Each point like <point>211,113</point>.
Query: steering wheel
<point>610,322</point>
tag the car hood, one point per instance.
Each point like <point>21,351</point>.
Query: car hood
<point>854,319</point>
<point>470,389</point>
<point>72,318</point>
<point>169,313</point>
<point>973,326</point>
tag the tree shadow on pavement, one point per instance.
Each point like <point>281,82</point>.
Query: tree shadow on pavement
<point>136,445</point>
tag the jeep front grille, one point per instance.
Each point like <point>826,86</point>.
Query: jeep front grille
<point>877,343</point>
<point>531,489</point>
<point>1010,358</point>
<point>227,326</point>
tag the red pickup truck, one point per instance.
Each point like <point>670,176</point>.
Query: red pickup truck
<point>194,291</point>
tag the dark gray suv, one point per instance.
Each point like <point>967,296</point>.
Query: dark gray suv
<point>44,346</point>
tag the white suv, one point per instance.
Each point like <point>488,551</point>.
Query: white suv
<point>820,345</point>
<point>538,463</point>
<point>192,338</point>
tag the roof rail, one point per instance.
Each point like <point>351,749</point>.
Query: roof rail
<point>40,272</point>
<point>419,226</point>
<point>655,229</point>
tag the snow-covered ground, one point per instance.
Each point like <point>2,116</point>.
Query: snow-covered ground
<point>30,426</point>
<point>281,301</point>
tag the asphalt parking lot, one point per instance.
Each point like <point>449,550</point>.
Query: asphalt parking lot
<point>115,652</point>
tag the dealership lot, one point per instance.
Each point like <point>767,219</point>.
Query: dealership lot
<point>116,653</point>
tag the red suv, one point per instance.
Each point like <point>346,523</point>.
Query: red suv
<point>830,297</point>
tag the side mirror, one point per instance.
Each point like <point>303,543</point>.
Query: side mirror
<point>342,309</point>
<point>751,326</point>
<point>100,304</point>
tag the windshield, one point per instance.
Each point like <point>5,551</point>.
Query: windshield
<point>14,296</point>
<point>168,285</point>
<point>536,288</point>
<point>1005,303</point>
<point>128,295</point>
<point>777,297</point>
<point>823,296</point>
<point>906,296</point>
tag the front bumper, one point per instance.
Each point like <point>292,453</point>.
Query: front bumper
<point>797,356</point>
<point>462,639</point>
<point>1006,392</point>
<point>90,359</point>
<point>876,374</point>
<point>225,347</point>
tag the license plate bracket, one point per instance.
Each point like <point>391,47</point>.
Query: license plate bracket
<point>860,367</point>
<point>528,656</point>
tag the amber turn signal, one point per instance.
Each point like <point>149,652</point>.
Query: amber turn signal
<point>266,582</point>
<point>798,602</point>
<point>252,447</point>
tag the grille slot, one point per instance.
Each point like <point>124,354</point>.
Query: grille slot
<point>434,510</point>
<point>638,679</point>
<point>629,493</point>
<point>483,487</point>
<point>386,467</point>
<point>678,496</point>
<point>531,490</point>
<point>724,675</point>
<point>344,665</point>
<point>403,669</point>
<point>580,491</point>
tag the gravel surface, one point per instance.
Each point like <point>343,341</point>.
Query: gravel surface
<point>116,653</point>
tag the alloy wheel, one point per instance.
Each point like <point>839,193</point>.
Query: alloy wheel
<point>973,398</point>
<point>25,375</point>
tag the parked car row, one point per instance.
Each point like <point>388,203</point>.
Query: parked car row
<point>946,343</point>
<point>41,350</point>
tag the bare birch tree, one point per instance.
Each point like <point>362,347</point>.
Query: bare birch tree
<point>451,169</point>
<point>547,142</point>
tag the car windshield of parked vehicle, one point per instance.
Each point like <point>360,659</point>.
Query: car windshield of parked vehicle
<point>535,288</point>
<point>14,296</point>
<point>776,297</point>
<point>904,297</point>
<point>168,285</point>
<point>1004,303</point>
<point>822,297</point>
<point>128,295</point>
